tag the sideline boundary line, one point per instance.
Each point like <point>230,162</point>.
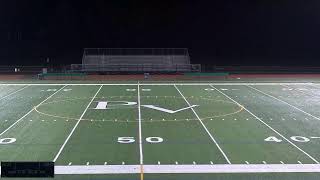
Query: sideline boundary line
<point>75,126</point>
<point>30,111</point>
<point>3,97</point>
<point>152,84</point>
<point>301,150</point>
<point>179,169</point>
<point>266,94</point>
<point>204,126</point>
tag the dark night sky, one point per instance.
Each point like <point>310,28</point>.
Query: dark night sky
<point>225,32</point>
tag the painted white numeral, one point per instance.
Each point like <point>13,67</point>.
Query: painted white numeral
<point>294,138</point>
<point>51,89</point>
<point>131,89</point>
<point>67,90</point>
<point>126,140</point>
<point>287,89</point>
<point>7,140</point>
<point>209,89</point>
<point>272,139</point>
<point>300,139</point>
<point>154,139</point>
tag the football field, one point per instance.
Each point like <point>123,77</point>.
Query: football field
<point>162,128</point>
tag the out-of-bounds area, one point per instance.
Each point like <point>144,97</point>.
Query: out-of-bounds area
<point>164,130</point>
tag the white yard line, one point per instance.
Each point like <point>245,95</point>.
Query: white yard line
<point>30,111</point>
<point>76,125</point>
<point>14,92</point>
<point>301,150</point>
<point>141,168</point>
<point>140,130</point>
<point>212,138</point>
<point>284,102</point>
<point>177,169</point>
<point>155,84</point>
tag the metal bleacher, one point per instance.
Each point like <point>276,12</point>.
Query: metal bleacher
<point>135,60</point>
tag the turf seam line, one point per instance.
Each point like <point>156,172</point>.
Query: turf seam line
<point>14,92</point>
<point>76,125</point>
<point>208,132</point>
<point>16,122</point>
<point>312,158</point>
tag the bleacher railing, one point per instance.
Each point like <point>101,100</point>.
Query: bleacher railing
<point>136,60</point>
<point>111,53</point>
<point>136,51</point>
<point>135,68</point>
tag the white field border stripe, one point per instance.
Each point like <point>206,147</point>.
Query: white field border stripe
<point>212,138</point>
<point>140,130</point>
<point>284,102</point>
<point>14,92</point>
<point>268,126</point>
<point>154,84</point>
<point>177,169</point>
<point>76,125</point>
<point>30,111</point>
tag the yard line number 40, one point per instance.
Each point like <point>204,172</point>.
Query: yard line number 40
<point>294,138</point>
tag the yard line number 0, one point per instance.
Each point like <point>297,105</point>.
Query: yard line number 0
<point>7,140</point>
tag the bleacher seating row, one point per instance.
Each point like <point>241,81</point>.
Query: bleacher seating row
<point>135,60</point>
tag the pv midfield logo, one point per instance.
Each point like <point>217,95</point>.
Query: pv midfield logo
<point>104,105</point>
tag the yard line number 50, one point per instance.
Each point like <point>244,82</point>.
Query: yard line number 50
<point>128,140</point>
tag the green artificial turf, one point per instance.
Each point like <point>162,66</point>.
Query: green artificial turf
<point>168,125</point>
